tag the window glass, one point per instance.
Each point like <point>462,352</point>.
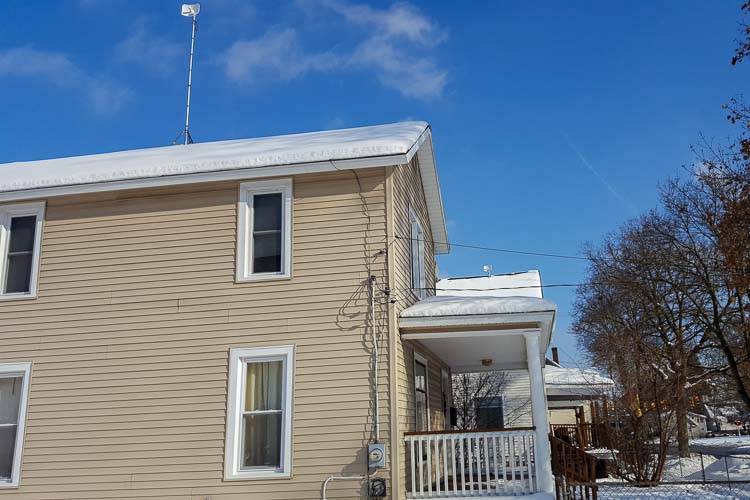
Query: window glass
<point>262,440</point>
<point>420,386</point>
<point>264,386</point>
<point>267,233</point>
<point>489,413</point>
<point>267,212</point>
<point>418,281</point>
<point>10,403</point>
<point>262,419</point>
<point>20,254</point>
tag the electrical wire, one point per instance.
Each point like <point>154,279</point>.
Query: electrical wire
<point>715,273</point>
<point>503,250</point>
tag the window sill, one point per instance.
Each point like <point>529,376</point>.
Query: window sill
<point>9,485</point>
<point>257,475</point>
<point>16,296</point>
<point>262,277</point>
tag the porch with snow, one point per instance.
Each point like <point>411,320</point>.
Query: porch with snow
<point>476,334</point>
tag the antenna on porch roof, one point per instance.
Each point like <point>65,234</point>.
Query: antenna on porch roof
<point>189,10</point>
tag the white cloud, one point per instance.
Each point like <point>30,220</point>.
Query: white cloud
<point>400,20</point>
<point>396,43</point>
<point>275,55</point>
<point>55,68</point>
<point>155,52</point>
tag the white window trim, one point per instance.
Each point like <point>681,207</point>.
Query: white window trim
<point>23,369</point>
<point>7,212</point>
<point>418,358</point>
<point>419,279</point>
<point>232,458</point>
<point>245,230</point>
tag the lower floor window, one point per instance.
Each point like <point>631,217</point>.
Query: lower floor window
<point>489,412</point>
<point>420,393</point>
<point>260,402</point>
<point>14,383</point>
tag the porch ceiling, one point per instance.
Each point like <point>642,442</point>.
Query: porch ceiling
<point>465,331</point>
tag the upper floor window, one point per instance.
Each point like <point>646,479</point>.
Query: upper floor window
<point>264,235</point>
<point>418,278</point>
<point>259,428</point>
<point>20,241</point>
<point>14,391</point>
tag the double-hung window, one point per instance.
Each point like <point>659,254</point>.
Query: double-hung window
<point>416,238</point>
<point>264,234</point>
<point>14,391</point>
<point>490,412</point>
<point>259,432</point>
<point>421,401</point>
<point>20,241</point>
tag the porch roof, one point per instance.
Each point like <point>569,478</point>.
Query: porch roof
<point>466,331</point>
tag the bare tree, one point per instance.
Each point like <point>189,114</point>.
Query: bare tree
<point>471,390</point>
<point>743,43</point>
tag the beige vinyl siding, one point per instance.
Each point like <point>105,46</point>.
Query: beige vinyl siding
<point>517,399</point>
<point>131,331</point>
<point>407,192</point>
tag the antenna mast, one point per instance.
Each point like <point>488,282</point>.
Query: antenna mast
<point>189,10</point>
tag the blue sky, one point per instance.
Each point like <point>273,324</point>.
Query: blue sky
<point>553,121</point>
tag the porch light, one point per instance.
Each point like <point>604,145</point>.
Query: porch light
<point>486,362</point>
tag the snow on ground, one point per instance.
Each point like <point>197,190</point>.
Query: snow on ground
<point>526,284</point>
<point>382,140</point>
<point>722,446</point>
<point>674,492</point>
<point>468,306</point>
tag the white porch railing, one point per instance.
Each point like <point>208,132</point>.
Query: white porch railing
<point>471,463</point>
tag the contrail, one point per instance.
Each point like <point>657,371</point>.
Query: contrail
<point>596,173</point>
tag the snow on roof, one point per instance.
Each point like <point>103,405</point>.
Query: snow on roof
<point>333,145</point>
<point>524,284</point>
<point>574,381</point>
<point>474,305</point>
<point>364,147</point>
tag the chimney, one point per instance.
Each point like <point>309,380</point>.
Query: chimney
<point>555,357</point>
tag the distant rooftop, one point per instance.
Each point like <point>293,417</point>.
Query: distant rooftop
<point>523,284</point>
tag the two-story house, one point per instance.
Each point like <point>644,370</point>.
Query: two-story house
<point>249,319</point>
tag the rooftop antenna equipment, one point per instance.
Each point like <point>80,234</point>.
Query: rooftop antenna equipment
<point>189,10</point>
<point>488,270</point>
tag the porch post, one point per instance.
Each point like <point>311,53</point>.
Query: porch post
<point>542,453</point>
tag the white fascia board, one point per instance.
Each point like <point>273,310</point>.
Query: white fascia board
<point>476,320</point>
<point>220,175</point>
<point>433,197</point>
<point>467,334</point>
<point>544,319</point>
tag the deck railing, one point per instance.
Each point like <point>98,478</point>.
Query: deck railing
<point>471,463</point>
<point>586,435</point>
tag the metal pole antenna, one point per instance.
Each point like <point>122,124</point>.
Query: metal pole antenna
<point>188,139</point>
<point>191,11</point>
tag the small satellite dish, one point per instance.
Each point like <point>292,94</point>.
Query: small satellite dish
<point>488,270</point>
<point>191,10</point>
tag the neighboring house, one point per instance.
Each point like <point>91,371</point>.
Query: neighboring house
<point>242,319</point>
<point>697,425</point>
<point>569,390</point>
